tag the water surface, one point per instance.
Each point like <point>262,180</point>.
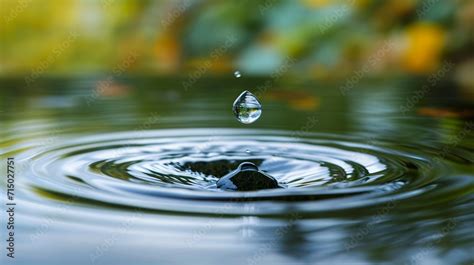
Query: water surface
<point>126,173</point>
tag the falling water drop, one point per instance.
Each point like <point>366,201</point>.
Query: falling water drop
<point>246,108</point>
<point>237,74</point>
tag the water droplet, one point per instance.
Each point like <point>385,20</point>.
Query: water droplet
<point>246,108</point>
<point>237,74</point>
<point>247,151</point>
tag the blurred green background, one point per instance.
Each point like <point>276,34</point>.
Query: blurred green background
<point>322,39</point>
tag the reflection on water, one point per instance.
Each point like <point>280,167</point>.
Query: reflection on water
<point>130,177</point>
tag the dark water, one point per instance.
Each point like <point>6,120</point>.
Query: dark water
<point>126,173</point>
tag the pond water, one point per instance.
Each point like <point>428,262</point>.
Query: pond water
<point>126,172</point>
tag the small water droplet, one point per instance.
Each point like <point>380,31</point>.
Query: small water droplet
<point>247,151</point>
<point>246,108</point>
<point>237,74</point>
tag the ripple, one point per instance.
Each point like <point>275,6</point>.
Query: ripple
<point>167,169</point>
